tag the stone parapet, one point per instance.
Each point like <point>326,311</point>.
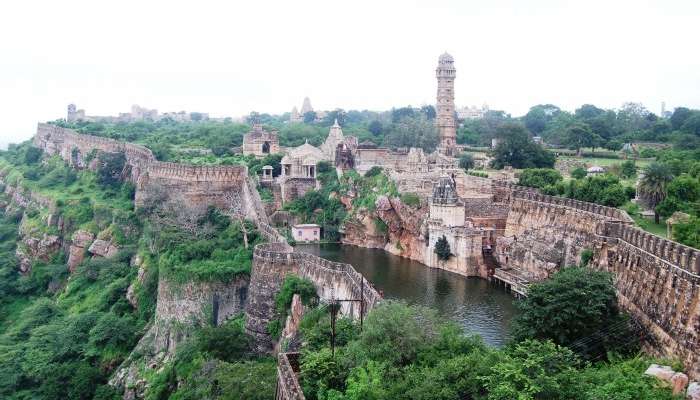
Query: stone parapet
<point>287,383</point>
<point>272,262</point>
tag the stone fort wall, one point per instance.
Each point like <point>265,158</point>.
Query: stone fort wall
<point>657,280</point>
<point>228,187</point>
<point>272,262</point>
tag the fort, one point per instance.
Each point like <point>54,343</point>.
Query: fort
<point>532,235</point>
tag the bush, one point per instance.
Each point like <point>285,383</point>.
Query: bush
<point>410,199</point>
<point>374,171</point>
<point>466,161</point>
<point>579,173</point>
<point>539,177</point>
<point>591,328</point>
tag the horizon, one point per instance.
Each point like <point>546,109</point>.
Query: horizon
<point>217,59</point>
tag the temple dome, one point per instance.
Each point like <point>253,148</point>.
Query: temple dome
<point>445,57</point>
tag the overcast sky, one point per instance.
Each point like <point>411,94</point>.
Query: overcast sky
<point>232,57</point>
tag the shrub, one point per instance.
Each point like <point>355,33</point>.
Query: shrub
<point>539,177</point>
<point>578,173</point>
<point>553,310</point>
<point>374,171</point>
<point>410,199</point>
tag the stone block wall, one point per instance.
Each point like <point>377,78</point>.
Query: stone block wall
<point>222,186</point>
<point>74,147</point>
<point>657,280</point>
<point>272,262</point>
<point>294,188</point>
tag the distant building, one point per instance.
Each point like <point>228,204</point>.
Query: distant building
<point>306,232</point>
<point>300,162</point>
<point>137,113</point>
<point>472,112</point>
<point>260,142</point>
<point>298,116</point>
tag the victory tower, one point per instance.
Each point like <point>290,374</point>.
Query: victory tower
<point>445,107</point>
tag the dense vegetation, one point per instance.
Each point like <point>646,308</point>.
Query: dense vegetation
<point>64,333</point>
<point>408,352</point>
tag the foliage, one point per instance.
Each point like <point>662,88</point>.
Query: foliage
<point>518,150</point>
<point>601,189</point>
<point>466,161</point>
<point>553,310</point>
<point>412,132</point>
<point>410,199</point>
<point>578,173</point>
<point>442,248</point>
<point>539,177</point>
<point>652,186</point>
<point>406,352</point>
<point>221,257</point>
<point>110,168</point>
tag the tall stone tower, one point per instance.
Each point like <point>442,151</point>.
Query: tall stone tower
<point>445,107</point>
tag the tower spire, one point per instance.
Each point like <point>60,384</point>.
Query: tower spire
<point>445,106</point>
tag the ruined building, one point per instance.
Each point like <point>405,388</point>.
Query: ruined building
<point>445,106</point>
<point>260,142</point>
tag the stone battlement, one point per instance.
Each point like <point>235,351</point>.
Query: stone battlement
<point>507,191</point>
<point>197,173</point>
<point>679,255</point>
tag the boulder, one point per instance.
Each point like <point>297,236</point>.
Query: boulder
<point>103,248</point>
<point>79,243</point>
<point>677,380</point>
<point>693,392</point>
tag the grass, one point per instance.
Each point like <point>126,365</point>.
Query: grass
<point>605,162</point>
<point>646,224</point>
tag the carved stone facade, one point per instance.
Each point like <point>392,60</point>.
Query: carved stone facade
<point>445,105</point>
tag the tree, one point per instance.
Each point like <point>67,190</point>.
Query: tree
<point>32,155</point>
<point>309,117</point>
<point>539,177</point>
<point>679,116</point>
<point>375,127</point>
<point>692,124</point>
<point>429,112</point>
<point>652,186</point>
<point>442,249</point>
<point>398,114</point>
<point>466,161</point>
<point>518,150</point>
<point>628,169</point>
<point>110,169</point>
<point>578,173</point>
<point>684,188</point>
<point>338,114</point>
<point>539,116</point>
<point>554,310</point>
<point>412,132</point>
<point>581,135</point>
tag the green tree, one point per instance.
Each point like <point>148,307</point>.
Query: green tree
<point>442,248</point>
<point>539,116</point>
<point>518,150</point>
<point>578,173</point>
<point>412,132</point>
<point>579,136</point>
<point>539,177</point>
<point>110,168</point>
<point>375,127</point>
<point>652,186</point>
<point>628,169</point>
<point>466,161</point>
<point>679,116</point>
<point>554,310</point>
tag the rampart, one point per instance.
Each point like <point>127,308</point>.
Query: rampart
<point>75,147</point>
<point>228,187</point>
<point>273,261</point>
<point>657,280</point>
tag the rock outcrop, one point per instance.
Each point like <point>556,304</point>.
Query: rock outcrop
<point>80,242</point>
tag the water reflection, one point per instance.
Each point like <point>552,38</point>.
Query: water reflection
<point>474,303</point>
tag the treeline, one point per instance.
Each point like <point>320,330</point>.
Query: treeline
<point>591,127</point>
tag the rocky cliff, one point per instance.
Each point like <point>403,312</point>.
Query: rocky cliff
<point>393,226</point>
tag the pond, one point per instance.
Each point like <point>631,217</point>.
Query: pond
<point>477,305</point>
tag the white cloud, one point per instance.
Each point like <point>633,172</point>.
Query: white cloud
<point>228,58</point>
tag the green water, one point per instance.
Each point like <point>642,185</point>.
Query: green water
<point>477,305</point>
